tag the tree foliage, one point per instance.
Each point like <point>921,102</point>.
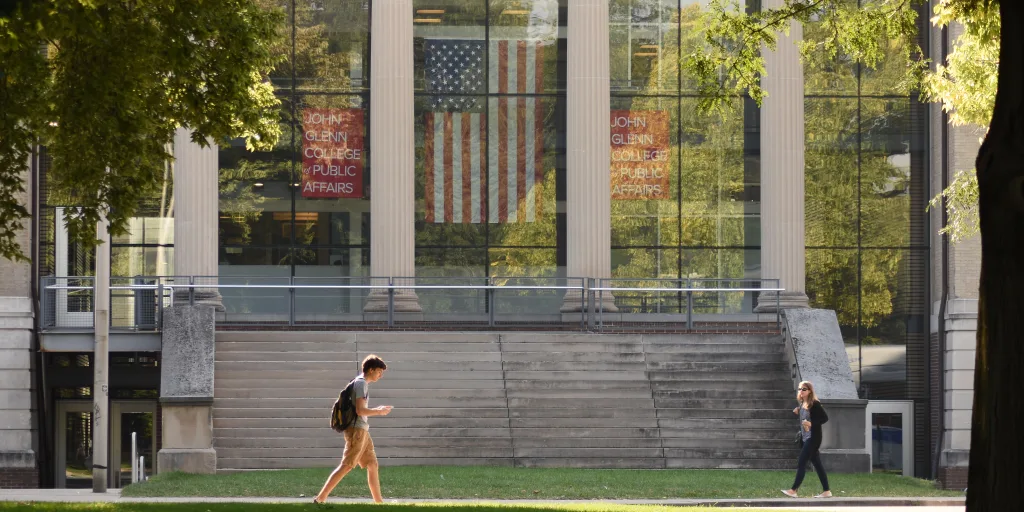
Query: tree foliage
<point>105,83</point>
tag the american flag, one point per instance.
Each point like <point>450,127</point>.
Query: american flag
<point>461,139</point>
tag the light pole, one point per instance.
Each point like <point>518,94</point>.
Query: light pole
<point>101,326</point>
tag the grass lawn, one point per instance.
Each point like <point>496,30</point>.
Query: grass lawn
<point>467,482</point>
<point>290,507</point>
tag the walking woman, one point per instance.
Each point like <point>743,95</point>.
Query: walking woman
<point>812,417</point>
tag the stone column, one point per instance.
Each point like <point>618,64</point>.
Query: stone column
<point>392,195</point>
<point>588,144</point>
<point>782,172</point>
<point>195,215</point>
<point>17,430</point>
<point>186,390</point>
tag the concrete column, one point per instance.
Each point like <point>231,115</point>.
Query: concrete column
<point>588,134</point>
<point>961,325</point>
<point>392,206</point>
<point>186,390</point>
<point>17,407</point>
<point>782,172</point>
<point>195,215</point>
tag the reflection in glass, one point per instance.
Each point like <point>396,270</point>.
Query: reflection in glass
<point>140,423</point>
<point>332,45</point>
<point>78,450</point>
<point>887,443</point>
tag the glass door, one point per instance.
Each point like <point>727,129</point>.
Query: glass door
<point>890,436</point>
<point>71,260</point>
<point>74,444</point>
<point>136,417</point>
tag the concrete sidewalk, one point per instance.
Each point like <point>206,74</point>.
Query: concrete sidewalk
<point>840,503</point>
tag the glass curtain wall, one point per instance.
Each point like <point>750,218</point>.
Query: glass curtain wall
<point>684,185</point>
<point>490,138</point>
<point>302,209</point>
<point>866,189</point>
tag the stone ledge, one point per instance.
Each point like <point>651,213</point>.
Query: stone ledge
<point>187,460</point>
<point>24,459</point>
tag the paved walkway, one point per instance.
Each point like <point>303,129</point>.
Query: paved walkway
<point>808,504</point>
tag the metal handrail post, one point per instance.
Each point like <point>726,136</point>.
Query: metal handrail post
<point>778,307</point>
<point>192,290</point>
<point>135,459</point>
<point>391,302</point>
<point>291,301</point>
<point>689,305</point>
<point>159,305</point>
<point>589,306</point>
<point>600,308</point>
<point>491,292</point>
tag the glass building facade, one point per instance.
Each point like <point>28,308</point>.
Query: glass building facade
<point>490,123</point>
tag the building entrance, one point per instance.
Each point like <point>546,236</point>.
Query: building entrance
<point>74,441</point>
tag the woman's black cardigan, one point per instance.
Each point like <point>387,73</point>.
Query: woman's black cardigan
<point>818,418</point>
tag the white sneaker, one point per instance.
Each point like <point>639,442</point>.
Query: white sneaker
<point>790,493</point>
<point>826,494</point>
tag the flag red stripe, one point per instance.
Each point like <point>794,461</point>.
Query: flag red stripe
<point>502,159</point>
<point>521,133</point>
<point>428,167</point>
<point>538,132</point>
<point>483,168</point>
<point>467,169</point>
<point>448,214</point>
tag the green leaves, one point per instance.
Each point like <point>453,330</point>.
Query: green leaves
<point>116,81</point>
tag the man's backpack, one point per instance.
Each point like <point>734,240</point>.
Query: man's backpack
<point>343,414</point>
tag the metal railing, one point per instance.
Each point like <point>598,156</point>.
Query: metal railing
<point>425,302</point>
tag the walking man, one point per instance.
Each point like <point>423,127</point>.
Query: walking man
<point>358,445</point>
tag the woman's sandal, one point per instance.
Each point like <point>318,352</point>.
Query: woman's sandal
<point>824,495</point>
<point>791,494</point>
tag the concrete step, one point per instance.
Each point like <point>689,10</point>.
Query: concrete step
<point>337,441</point>
<point>284,346</point>
<point>583,422</point>
<point>567,453</point>
<point>243,463</point>
<point>567,337</point>
<point>322,412</point>
<point>729,433</point>
<point>587,442</point>
<point>634,375</point>
<point>377,422</point>
<point>458,386</point>
<point>583,412</point>
<point>725,424</point>
<point>378,432</point>
<point>720,366</point>
<point>660,352</point>
<point>699,463</point>
<point>594,463</point>
<point>704,384</point>
<point>383,450</point>
<point>712,357</point>
<point>755,414</point>
<point>730,444</point>
<point>451,401</point>
<point>608,394</point>
<point>555,349</point>
<point>574,366</point>
<point>595,403</point>
<point>621,357</point>
<point>394,368</point>
<point>402,358</point>
<point>718,376</point>
<point>698,338</point>
<point>345,359</point>
<point>729,403</point>
<point>719,394</point>
<point>578,432</point>
<point>575,385</point>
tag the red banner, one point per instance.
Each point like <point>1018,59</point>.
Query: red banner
<point>332,152</point>
<point>640,154</point>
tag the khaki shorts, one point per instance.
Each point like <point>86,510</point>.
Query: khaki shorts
<point>358,448</point>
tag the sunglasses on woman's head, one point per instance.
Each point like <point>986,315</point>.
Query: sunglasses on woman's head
<point>804,389</point>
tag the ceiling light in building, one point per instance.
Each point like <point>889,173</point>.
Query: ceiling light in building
<point>257,184</point>
<point>649,46</point>
<point>515,12</point>
<point>306,216</point>
<point>429,11</point>
<point>646,54</point>
<point>426,20</point>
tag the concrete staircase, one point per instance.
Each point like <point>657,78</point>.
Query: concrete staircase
<point>723,401</point>
<point>523,399</point>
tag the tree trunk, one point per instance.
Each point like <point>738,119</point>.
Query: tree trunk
<point>995,476</point>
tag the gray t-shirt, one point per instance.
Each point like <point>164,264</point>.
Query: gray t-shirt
<point>805,414</point>
<point>361,389</point>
